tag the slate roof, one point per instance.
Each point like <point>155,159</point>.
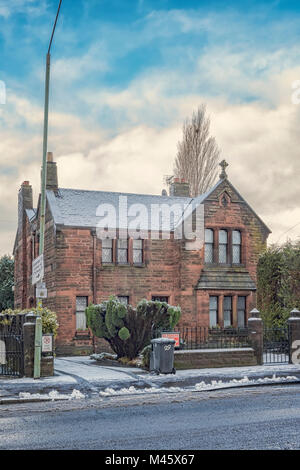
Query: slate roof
<point>226,278</point>
<point>78,208</point>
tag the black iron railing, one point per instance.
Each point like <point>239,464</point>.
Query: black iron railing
<point>208,338</point>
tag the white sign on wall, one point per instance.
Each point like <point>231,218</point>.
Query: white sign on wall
<point>41,293</point>
<point>47,343</point>
<point>38,270</point>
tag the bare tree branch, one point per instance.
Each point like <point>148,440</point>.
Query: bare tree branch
<point>197,154</point>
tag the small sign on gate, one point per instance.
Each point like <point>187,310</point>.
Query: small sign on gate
<point>47,343</point>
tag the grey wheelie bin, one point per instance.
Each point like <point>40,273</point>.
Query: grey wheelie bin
<point>162,356</point>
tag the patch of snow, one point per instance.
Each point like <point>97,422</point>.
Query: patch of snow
<point>201,386</point>
<point>244,381</point>
<point>104,355</point>
<point>53,395</point>
<point>132,390</point>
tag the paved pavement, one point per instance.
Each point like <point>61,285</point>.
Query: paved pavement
<point>89,378</point>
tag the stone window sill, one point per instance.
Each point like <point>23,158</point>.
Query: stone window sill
<point>112,265</point>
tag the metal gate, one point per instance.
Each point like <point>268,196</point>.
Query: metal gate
<point>276,345</point>
<point>11,347</point>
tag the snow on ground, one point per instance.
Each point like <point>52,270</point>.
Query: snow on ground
<point>214,385</point>
<point>53,395</point>
<point>239,372</point>
<point>132,390</point>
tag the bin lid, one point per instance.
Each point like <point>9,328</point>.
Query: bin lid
<point>163,341</point>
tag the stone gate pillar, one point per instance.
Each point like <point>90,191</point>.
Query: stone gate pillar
<point>256,335</point>
<point>294,336</point>
<point>29,336</point>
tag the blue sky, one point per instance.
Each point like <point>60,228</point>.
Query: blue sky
<point>125,74</point>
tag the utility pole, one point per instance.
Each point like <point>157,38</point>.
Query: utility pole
<point>38,329</point>
<point>45,140</point>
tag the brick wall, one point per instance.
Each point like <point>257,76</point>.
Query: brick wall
<point>200,359</point>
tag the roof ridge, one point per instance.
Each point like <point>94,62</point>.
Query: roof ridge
<point>124,193</point>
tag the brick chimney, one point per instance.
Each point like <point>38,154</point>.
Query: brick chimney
<point>25,193</point>
<point>25,201</point>
<point>179,187</point>
<point>52,181</point>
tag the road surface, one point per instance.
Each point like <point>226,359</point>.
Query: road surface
<point>252,418</point>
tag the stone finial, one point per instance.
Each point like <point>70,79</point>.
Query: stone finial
<point>223,165</point>
<point>255,313</point>
<point>295,313</point>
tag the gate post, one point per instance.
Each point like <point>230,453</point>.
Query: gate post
<point>294,337</point>
<point>256,335</point>
<point>29,337</point>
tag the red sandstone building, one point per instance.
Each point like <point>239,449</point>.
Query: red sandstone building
<point>214,284</point>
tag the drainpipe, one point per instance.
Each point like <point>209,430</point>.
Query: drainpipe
<point>94,277</point>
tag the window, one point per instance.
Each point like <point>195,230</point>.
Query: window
<point>227,309</point>
<point>122,255</point>
<point>241,311</point>
<point>107,250</point>
<point>209,245</point>
<point>81,305</point>
<point>137,251</point>
<point>236,247</point>
<point>160,298</point>
<point>223,242</point>
<point>213,311</point>
<point>123,299</point>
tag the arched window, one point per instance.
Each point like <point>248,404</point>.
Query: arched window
<point>223,242</point>
<point>236,247</point>
<point>209,245</point>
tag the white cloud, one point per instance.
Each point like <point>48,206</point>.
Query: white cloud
<point>33,7</point>
<point>248,95</point>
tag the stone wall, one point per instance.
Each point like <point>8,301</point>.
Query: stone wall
<point>207,358</point>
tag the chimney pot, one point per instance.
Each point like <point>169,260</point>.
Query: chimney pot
<point>49,157</point>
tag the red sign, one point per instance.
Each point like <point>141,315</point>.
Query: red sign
<point>174,336</point>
